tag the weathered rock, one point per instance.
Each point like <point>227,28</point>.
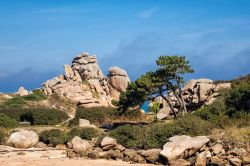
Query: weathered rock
<point>23,139</point>
<point>201,159</point>
<point>108,141</point>
<point>245,160</point>
<point>85,123</point>
<point>163,113</point>
<point>61,147</point>
<point>151,155</point>
<point>217,148</point>
<point>80,146</point>
<point>41,145</point>
<point>180,144</point>
<point>179,162</point>
<point>234,161</point>
<point>69,74</point>
<point>22,92</point>
<point>215,160</point>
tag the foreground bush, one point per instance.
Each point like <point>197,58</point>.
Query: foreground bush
<point>2,135</point>
<point>130,136</point>
<point>193,125</point>
<point>53,137</point>
<point>86,133</point>
<point>37,116</point>
<point>7,122</point>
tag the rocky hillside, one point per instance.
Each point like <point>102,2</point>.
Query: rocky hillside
<point>85,84</point>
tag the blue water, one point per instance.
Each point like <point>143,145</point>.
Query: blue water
<point>145,106</point>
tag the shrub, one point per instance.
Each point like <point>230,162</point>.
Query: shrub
<point>99,115</point>
<point>239,99</point>
<point>37,116</point>
<point>130,136</point>
<point>85,133</point>
<point>53,137</point>
<point>7,122</point>
<point>15,102</point>
<point>37,95</point>
<point>157,134</point>
<point>193,125</point>
<point>2,135</point>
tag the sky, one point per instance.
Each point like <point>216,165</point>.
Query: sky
<point>37,37</point>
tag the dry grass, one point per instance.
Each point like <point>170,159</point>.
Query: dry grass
<point>237,137</point>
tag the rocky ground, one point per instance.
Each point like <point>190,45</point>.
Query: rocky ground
<point>38,157</point>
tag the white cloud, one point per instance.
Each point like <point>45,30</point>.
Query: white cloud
<point>148,13</point>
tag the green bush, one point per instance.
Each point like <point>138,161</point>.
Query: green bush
<point>238,99</point>
<point>37,95</point>
<point>2,135</point>
<point>193,125</point>
<point>157,134</point>
<point>130,136</point>
<point>7,122</point>
<point>83,132</point>
<point>53,137</point>
<point>37,116</point>
<point>99,115</point>
<point>15,102</point>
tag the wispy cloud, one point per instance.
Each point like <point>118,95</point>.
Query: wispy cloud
<point>201,33</point>
<point>148,13</point>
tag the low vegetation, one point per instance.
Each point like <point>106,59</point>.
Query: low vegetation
<point>36,116</point>
<point>7,122</point>
<point>99,115</point>
<point>86,133</point>
<point>53,137</point>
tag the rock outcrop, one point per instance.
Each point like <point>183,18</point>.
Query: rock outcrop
<point>84,83</point>
<point>195,94</point>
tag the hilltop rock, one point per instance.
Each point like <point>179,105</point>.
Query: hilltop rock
<point>22,92</point>
<point>84,83</point>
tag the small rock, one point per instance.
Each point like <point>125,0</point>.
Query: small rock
<point>201,159</point>
<point>80,146</point>
<point>61,147</point>
<point>217,148</point>
<point>246,160</point>
<point>20,153</point>
<point>235,161</point>
<point>179,162</point>
<point>108,143</point>
<point>217,161</point>
<point>41,145</point>
<point>151,155</point>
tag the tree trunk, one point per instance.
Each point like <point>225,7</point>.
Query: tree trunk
<point>169,104</point>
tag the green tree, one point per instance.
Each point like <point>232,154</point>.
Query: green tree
<point>168,78</point>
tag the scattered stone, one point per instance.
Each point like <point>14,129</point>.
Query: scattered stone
<point>151,155</point>
<point>23,139</point>
<point>61,147</point>
<point>108,143</point>
<point>245,160</point>
<point>41,145</point>
<point>234,161</point>
<point>163,113</point>
<point>80,146</point>
<point>217,148</point>
<point>179,162</point>
<point>215,160</point>
<point>201,159</point>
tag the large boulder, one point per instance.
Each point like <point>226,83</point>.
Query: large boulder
<point>180,144</point>
<point>80,146</point>
<point>22,92</point>
<point>163,113</point>
<point>118,78</point>
<point>23,139</point>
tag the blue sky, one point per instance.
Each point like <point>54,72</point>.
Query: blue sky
<point>38,36</point>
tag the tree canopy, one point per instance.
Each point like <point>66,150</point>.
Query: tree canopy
<point>167,78</point>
